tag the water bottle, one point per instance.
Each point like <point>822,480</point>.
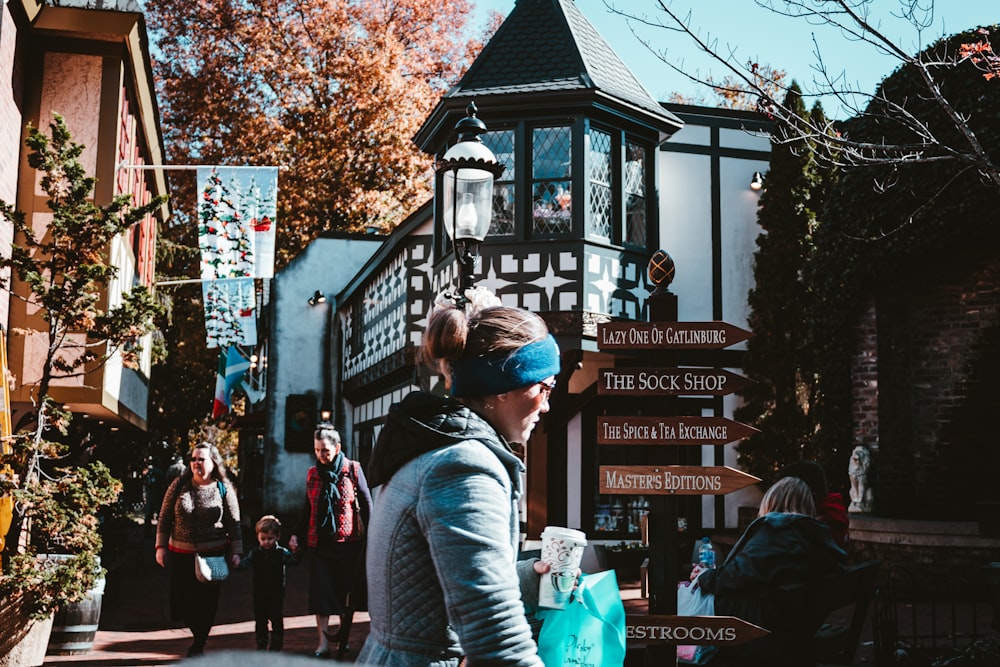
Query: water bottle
<point>706,554</point>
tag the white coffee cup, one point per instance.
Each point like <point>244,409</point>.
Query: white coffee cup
<point>562,549</point>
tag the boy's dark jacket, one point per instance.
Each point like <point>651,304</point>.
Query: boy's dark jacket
<point>268,567</point>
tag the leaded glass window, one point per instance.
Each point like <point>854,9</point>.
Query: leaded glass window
<point>599,171</point>
<point>551,184</point>
<point>501,143</point>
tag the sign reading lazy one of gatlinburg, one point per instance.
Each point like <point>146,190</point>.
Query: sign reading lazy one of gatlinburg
<point>668,335</point>
<point>670,430</point>
<point>672,480</point>
<point>690,630</point>
<point>669,381</point>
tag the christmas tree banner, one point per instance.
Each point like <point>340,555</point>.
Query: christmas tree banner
<point>229,312</point>
<point>236,217</point>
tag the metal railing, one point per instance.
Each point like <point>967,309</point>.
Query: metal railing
<point>922,625</point>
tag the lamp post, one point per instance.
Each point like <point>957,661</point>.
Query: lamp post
<point>467,171</point>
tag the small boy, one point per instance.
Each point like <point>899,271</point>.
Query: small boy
<point>268,561</point>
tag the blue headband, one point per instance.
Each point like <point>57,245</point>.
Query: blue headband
<point>499,373</point>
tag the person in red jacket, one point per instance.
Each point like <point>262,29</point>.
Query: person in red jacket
<point>830,507</point>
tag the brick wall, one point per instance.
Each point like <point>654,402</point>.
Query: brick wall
<point>864,380</point>
<point>924,386</point>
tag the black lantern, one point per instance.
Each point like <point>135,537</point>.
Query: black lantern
<point>467,172</point>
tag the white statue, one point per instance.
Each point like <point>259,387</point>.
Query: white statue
<point>857,470</point>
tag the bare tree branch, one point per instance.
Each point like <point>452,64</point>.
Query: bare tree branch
<point>944,135</point>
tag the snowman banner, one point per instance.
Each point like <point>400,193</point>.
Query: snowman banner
<point>236,217</point>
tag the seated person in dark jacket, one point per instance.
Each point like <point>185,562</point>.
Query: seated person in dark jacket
<point>786,546</point>
<point>830,507</point>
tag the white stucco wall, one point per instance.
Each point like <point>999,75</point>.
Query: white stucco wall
<point>688,205</point>
<point>296,355</point>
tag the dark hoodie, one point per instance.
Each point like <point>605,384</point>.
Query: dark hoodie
<point>423,422</point>
<point>777,552</point>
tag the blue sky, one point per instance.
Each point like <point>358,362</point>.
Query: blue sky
<point>761,35</point>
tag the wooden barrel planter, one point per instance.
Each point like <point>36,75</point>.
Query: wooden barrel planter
<point>74,626</point>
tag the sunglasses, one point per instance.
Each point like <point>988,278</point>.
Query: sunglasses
<point>547,387</point>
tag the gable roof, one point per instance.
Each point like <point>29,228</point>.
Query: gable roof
<point>549,45</point>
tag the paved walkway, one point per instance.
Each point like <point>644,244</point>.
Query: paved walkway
<point>136,629</point>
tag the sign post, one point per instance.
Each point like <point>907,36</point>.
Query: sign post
<point>663,479</point>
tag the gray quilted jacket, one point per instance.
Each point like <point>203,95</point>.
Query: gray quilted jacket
<point>443,580</point>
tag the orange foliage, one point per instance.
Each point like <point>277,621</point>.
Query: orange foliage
<point>333,90</point>
<point>981,55</point>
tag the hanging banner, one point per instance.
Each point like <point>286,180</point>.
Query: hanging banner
<point>232,367</point>
<point>236,221</point>
<point>229,312</point>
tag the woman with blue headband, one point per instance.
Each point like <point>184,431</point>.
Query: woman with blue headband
<point>444,580</point>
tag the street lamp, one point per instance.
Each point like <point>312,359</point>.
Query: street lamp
<point>467,171</point>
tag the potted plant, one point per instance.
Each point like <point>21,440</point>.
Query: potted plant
<point>62,273</point>
<point>54,562</point>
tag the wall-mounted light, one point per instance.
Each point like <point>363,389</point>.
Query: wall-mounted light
<point>325,415</point>
<point>757,182</point>
<point>317,298</point>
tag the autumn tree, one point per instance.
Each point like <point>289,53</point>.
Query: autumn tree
<point>331,91</point>
<point>915,140</point>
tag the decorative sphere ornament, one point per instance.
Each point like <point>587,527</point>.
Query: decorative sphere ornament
<point>660,269</point>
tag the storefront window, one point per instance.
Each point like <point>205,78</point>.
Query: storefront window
<point>551,184</point>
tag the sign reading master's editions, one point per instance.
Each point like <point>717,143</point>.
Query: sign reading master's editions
<point>668,335</point>
<point>669,381</point>
<point>670,430</point>
<point>673,480</point>
<point>690,630</point>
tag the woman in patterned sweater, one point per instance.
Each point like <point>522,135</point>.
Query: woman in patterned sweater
<point>200,514</point>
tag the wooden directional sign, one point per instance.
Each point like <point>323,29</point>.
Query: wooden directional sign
<point>668,335</point>
<point>690,630</point>
<point>669,381</point>
<point>673,480</point>
<point>670,430</point>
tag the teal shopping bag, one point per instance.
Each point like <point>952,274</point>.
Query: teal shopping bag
<point>590,630</point>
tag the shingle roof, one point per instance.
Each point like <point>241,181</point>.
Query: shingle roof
<point>548,46</point>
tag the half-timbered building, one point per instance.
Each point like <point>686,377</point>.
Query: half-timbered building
<point>597,176</point>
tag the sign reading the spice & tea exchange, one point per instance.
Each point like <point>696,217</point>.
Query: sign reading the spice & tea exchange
<point>670,430</point>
